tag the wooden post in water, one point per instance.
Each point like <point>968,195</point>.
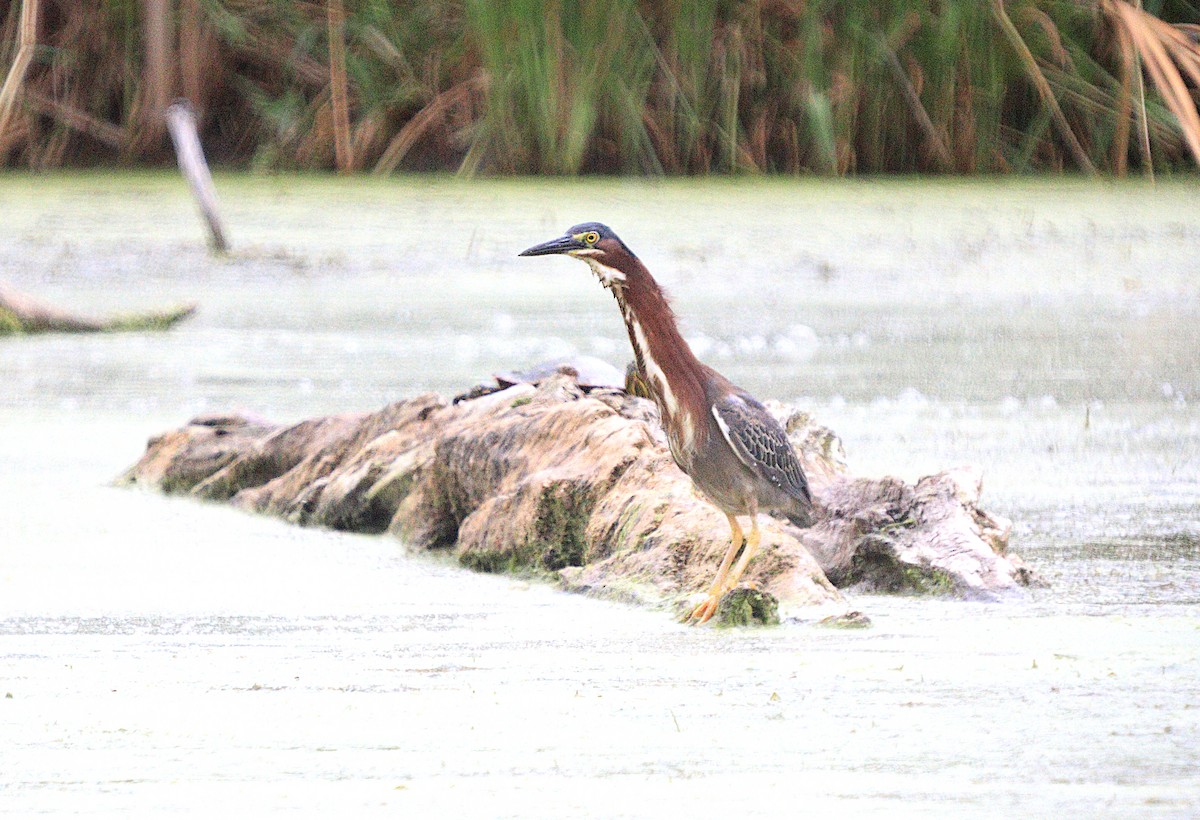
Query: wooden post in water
<point>181,121</point>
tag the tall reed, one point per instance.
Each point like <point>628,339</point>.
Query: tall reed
<point>626,86</point>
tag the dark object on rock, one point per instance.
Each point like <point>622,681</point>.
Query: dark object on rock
<point>732,447</point>
<point>588,372</point>
<point>580,487</point>
<point>20,313</point>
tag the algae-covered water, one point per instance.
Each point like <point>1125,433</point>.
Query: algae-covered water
<point>160,656</point>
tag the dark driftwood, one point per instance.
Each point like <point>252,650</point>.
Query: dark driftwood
<point>21,313</point>
<point>583,487</point>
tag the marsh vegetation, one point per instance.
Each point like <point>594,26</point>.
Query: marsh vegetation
<point>563,87</point>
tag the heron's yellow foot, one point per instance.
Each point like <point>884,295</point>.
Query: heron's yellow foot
<point>721,584</point>
<point>705,610</point>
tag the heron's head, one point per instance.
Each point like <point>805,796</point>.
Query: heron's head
<point>595,244</point>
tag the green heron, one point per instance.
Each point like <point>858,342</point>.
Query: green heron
<point>736,453</point>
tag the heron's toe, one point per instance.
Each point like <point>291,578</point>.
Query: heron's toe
<point>704,610</point>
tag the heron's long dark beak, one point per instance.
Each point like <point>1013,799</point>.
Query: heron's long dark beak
<point>560,245</point>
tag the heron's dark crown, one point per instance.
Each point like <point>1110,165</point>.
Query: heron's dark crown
<point>602,229</point>
<point>591,240</point>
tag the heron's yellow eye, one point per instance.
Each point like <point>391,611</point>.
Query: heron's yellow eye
<point>591,238</point>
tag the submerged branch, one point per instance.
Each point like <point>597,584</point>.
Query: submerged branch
<point>21,313</point>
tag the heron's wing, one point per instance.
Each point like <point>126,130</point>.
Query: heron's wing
<point>760,443</point>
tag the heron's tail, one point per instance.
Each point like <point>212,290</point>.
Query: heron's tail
<point>802,520</point>
<point>801,513</point>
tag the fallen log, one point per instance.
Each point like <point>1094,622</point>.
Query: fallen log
<point>21,313</point>
<point>581,487</point>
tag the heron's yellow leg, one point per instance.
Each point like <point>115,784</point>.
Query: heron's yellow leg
<point>708,607</point>
<point>747,554</point>
<point>738,539</point>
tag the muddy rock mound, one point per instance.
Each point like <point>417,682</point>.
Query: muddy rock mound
<point>581,487</point>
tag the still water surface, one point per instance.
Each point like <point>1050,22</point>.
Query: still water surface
<point>168,657</point>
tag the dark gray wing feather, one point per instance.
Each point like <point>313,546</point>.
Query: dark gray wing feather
<point>761,444</point>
